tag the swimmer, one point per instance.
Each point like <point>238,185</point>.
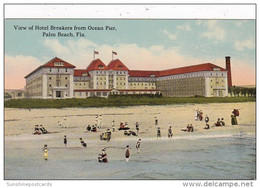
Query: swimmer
<point>65,140</point>
<point>127,153</point>
<point>45,152</point>
<point>138,145</point>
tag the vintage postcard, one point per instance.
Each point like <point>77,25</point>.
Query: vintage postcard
<point>128,96</point>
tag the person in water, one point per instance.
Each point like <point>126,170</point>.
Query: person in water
<point>83,143</point>
<point>65,140</point>
<point>104,156</point>
<point>158,132</point>
<point>170,132</point>
<point>45,152</point>
<point>127,153</point>
<point>138,145</point>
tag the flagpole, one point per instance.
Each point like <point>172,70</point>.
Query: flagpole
<point>93,54</point>
<point>112,55</point>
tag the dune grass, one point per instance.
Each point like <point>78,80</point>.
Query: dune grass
<point>118,101</point>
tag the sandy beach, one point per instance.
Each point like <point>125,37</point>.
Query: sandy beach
<point>19,126</point>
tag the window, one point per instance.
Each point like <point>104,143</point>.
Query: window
<point>50,69</point>
<point>66,85</point>
<point>50,85</point>
<point>66,78</point>
<point>66,70</point>
<point>58,70</point>
<point>50,78</point>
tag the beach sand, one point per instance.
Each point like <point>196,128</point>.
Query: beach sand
<point>19,126</point>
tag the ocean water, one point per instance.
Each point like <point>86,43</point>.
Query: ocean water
<point>186,158</point>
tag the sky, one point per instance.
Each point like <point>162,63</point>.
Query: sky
<point>147,44</point>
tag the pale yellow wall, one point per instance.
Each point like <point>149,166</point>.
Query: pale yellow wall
<point>216,83</point>
<point>57,80</point>
<point>101,82</point>
<point>81,84</point>
<point>142,85</point>
<point>120,82</point>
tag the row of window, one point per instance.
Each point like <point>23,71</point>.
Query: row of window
<point>58,84</point>
<point>56,77</point>
<point>66,70</point>
<point>189,76</point>
<point>141,84</point>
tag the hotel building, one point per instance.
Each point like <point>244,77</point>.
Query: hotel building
<point>60,79</point>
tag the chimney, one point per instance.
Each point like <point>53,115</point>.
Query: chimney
<point>228,68</point>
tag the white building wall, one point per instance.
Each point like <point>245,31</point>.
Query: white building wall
<point>70,95</point>
<point>207,87</point>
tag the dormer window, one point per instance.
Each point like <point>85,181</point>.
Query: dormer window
<point>120,67</point>
<point>59,64</point>
<point>216,69</point>
<point>100,66</point>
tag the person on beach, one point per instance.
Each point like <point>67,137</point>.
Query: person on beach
<point>234,115</point>
<point>207,126</point>
<point>113,126</point>
<point>37,130</point>
<point>45,152</point>
<point>137,127</point>
<point>222,122</point>
<point>100,121</point>
<point>88,128</point>
<point>65,140</point>
<point>158,132</point>
<point>108,135</point>
<point>104,156</point>
<point>156,121</point>
<point>43,130</point>
<point>83,143</point>
<point>196,115</point>
<point>127,153</point>
<point>218,124</point>
<point>206,119</point>
<point>233,120</point>
<point>200,115</point>
<point>138,145</point>
<point>170,132</point>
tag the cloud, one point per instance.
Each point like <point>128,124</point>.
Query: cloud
<point>184,27</point>
<point>169,35</point>
<point>80,53</point>
<point>16,68</point>
<point>245,44</point>
<point>215,31</point>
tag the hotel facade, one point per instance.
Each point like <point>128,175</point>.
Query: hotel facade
<point>60,79</point>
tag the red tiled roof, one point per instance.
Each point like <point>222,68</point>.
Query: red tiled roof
<point>96,64</point>
<point>79,72</point>
<point>51,64</point>
<point>189,69</point>
<point>117,65</point>
<point>56,59</point>
<point>140,73</point>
